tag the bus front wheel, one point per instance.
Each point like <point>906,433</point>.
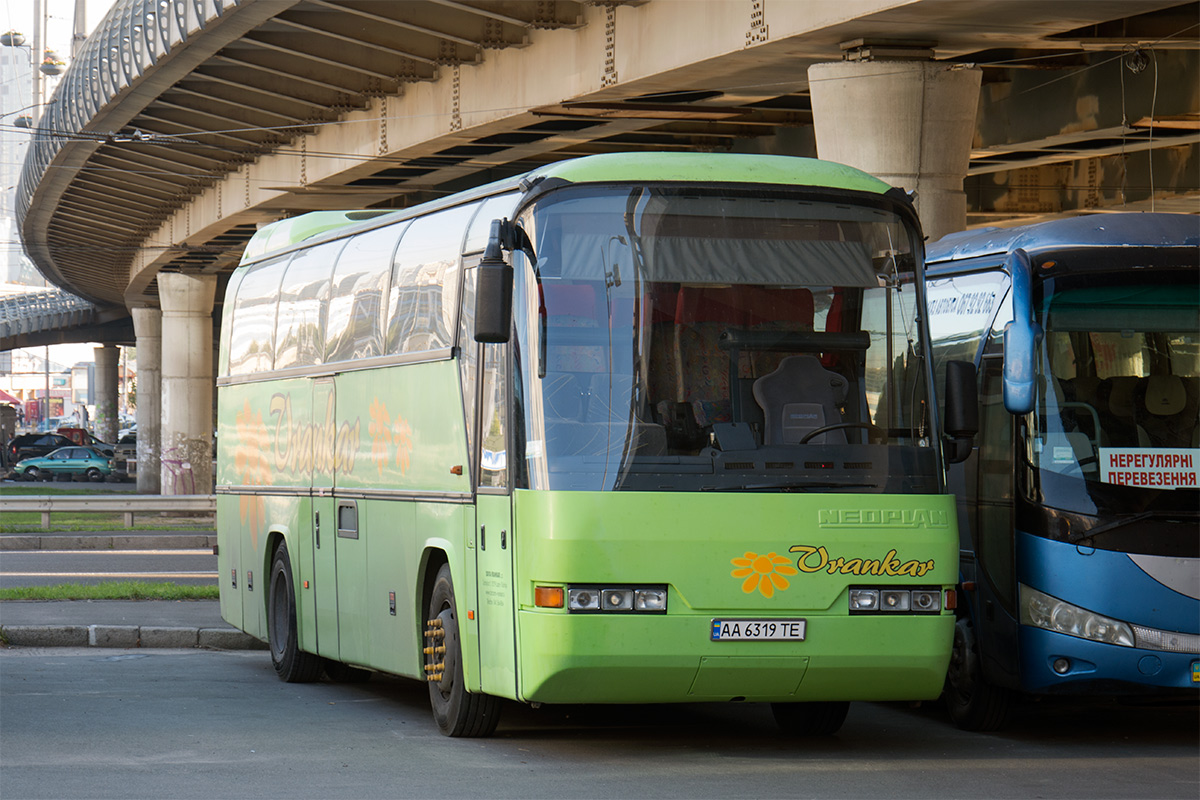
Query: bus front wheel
<point>973,703</point>
<point>810,719</point>
<point>456,711</point>
<point>291,664</point>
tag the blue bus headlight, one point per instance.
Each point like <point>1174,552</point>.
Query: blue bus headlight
<point>1043,611</point>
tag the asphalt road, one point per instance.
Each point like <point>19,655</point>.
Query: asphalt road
<point>208,724</point>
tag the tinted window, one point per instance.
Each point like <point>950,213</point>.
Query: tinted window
<point>424,293</point>
<point>961,310</point>
<point>303,298</point>
<point>355,304</point>
<point>251,341</point>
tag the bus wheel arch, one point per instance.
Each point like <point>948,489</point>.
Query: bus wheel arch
<point>456,711</point>
<point>283,635</point>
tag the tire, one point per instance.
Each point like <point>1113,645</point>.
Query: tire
<point>94,475</point>
<point>34,474</point>
<point>291,664</point>
<point>338,672</point>
<point>823,718</point>
<point>973,703</point>
<point>456,711</point>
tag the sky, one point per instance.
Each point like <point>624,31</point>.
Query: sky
<point>60,15</point>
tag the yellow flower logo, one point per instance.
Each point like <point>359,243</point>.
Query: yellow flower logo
<point>764,573</point>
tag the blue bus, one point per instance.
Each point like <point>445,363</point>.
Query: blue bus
<point>1078,505</point>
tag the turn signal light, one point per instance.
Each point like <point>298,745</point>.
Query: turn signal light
<point>548,596</point>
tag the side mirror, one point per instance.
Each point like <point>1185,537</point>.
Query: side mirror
<point>1020,338</point>
<point>962,410</point>
<point>494,291</point>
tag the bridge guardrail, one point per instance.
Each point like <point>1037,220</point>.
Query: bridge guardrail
<point>126,504</point>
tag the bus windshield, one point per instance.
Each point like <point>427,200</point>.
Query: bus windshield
<point>1116,426</point>
<point>690,340</point>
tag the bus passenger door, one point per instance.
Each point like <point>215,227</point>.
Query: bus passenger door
<point>495,538</point>
<point>996,586</point>
<point>323,589</point>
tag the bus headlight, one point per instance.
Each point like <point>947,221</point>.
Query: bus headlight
<point>864,599</point>
<point>583,600</point>
<point>601,598</point>
<point>650,599</point>
<point>895,599</point>
<point>1043,611</point>
<point>616,600</point>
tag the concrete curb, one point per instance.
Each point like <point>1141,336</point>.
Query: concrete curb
<point>91,541</point>
<point>127,636</point>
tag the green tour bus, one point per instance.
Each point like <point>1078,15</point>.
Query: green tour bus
<point>631,428</point>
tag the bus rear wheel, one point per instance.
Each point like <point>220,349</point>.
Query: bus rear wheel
<point>811,719</point>
<point>456,711</point>
<point>973,703</point>
<point>291,664</point>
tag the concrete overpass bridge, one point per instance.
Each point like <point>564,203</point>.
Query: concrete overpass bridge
<point>184,125</point>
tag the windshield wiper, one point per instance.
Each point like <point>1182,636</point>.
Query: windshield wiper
<point>1117,524</point>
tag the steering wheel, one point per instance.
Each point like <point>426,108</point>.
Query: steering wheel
<point>841,426</point>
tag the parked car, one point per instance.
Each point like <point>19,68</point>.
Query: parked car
<point>83,437</point>
<point>124,460</point>
<point>31,445</point>
<point>73,461</point>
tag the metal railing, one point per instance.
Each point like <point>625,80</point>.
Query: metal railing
<point>30,312</point>
<point>126,504</point>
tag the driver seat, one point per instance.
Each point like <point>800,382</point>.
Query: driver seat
<point>799,397</point>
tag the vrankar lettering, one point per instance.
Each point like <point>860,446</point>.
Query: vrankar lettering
<point>301,446</point>
<point>816,559</point>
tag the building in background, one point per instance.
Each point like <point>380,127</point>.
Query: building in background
<point>16,110</point>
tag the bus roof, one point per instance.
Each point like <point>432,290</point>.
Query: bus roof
<point>608,168</point>
<point>1130,229</point>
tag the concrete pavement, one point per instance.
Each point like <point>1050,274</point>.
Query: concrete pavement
<point>116,623</point>
<point>120,623</point>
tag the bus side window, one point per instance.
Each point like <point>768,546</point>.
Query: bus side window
<point>354,327</point>
<point>423,299</point>
<point>493,436</point>
<point>252,335</point>
<point>961,312</point>
<point>231,294</point>
<point>303,300</point>
<point>469,350</point>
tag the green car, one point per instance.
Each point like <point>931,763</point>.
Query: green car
<point>73,462</point>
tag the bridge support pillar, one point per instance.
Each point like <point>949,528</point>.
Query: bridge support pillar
<point>909,123</point>
<point>147,325</point>
<point>187,382</point>
<point>107,378</point>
